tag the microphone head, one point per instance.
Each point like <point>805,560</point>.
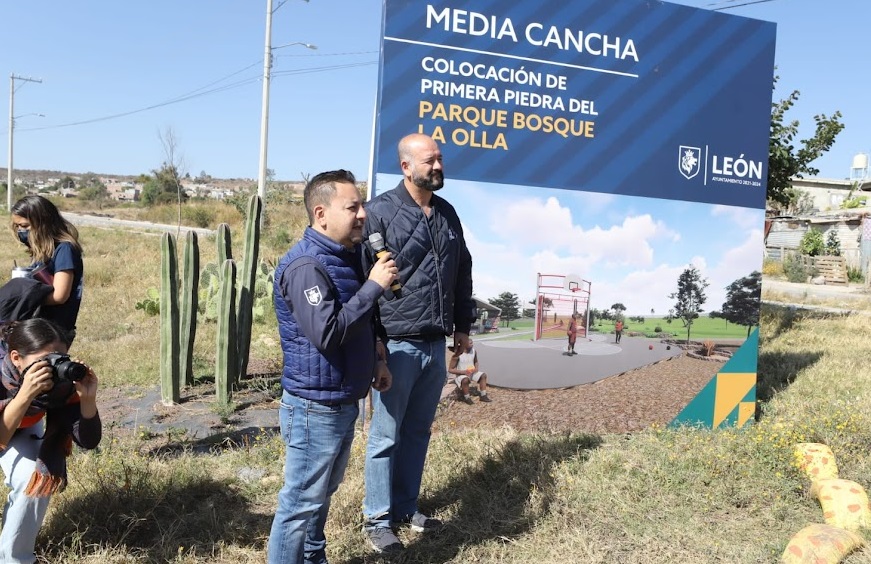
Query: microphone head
<point>376,241</point>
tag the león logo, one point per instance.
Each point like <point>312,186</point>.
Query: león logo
<point>313,295</point>
<point>689,161</point>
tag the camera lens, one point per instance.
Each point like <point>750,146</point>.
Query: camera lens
<point>70,370</point>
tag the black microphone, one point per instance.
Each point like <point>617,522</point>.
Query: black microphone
<point>376,241</point>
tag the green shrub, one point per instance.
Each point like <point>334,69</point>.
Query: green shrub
<point>657,329</point>
<point>854,274</point>
<point>795,270</point>
<point>833,244</point>
<point>855,202</point>
<point>812,243</point>
<point>200,216</point>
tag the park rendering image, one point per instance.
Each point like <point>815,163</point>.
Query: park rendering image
<point>616,144</point>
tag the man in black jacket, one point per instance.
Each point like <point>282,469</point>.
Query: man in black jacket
<point>424,234</point>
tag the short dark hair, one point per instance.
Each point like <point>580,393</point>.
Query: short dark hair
<point>321,189</point>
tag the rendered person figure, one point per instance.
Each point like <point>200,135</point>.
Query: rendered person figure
<point>572,333</point>
<point>465,369</point>
<point>326,310</point>
<point>435,270</point>
<point>618,330</point>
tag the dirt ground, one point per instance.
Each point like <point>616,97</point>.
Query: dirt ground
<point>620,404</point>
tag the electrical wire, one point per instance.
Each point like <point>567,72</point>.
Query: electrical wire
<point>202,91</point>
<point>749,3</point>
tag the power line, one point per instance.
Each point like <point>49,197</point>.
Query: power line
<point>324,69</point>
<point>749,3</point>
<point>202,91</point>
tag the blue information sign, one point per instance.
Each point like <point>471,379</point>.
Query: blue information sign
<point>631,97</point>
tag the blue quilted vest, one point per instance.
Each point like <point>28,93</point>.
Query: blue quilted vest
<point>341,376</point>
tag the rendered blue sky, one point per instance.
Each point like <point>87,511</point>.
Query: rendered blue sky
<point>99,59</point>
<point>631,249</point>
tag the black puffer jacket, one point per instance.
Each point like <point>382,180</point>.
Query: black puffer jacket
<point>435,267</point>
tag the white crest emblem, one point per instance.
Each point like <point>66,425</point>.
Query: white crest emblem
<point>313,295</point>
<point>689,161</point>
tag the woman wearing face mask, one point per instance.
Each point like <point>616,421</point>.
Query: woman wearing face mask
<point>42,411</point>
<point>53,243</point>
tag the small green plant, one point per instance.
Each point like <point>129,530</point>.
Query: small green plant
<point>151,304</point>
<point>855,202</point>
<point>833,244</point>
<point>854,274</point>
<point>281,238</point>
<point>224,411</point>
<point>812,243</point>
<point>199,216</point>
<point>657,329</point>
<point>795,269</point>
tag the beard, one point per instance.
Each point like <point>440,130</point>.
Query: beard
<point>433,182</point>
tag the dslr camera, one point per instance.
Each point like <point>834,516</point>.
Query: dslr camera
<point>62,368</point>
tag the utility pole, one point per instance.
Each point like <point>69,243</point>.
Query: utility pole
<point>12,79</point>
<point>264,116</point>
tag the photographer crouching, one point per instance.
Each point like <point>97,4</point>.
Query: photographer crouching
<point>47,401</point>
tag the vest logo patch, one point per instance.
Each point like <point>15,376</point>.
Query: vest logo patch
<point>313,295</point>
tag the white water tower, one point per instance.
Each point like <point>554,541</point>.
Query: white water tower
<point>859,170</point>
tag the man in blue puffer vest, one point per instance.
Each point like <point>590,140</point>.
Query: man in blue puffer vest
<point>326,310</point>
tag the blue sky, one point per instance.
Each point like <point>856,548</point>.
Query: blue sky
<point>99,59</point>
<point>111,72</point>
<point>631,249</point>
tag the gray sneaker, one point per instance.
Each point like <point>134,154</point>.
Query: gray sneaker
<point>420,523</point>
<point>383,541</point>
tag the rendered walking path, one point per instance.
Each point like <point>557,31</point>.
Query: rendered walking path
<point>535,365</point>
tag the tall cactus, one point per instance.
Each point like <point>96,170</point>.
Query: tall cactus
<point>225,252</point>
<point>248,277</point>
<point>226,365</point>
<point>170,368</point>
<point>188,304</point>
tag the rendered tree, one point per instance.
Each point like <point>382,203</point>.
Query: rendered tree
<point>742,301</point>
<point>618,308</point>
<point>784,160</point>
<point>509,304</point>
<point>546,304</point>
<point>690,297</point>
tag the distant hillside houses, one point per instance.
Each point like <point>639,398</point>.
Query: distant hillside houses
<point>128,189</point>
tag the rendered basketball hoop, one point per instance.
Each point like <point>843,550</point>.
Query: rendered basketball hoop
<point>558,297</point>
<point>572,282</point>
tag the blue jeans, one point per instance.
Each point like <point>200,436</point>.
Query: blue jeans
<point>22,515</point>
<point>317,442</point>
<point>400,430</point>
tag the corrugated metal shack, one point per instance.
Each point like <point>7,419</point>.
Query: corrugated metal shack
<point>783,234</point>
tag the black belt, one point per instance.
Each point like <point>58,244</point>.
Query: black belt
<point>337,403</point>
